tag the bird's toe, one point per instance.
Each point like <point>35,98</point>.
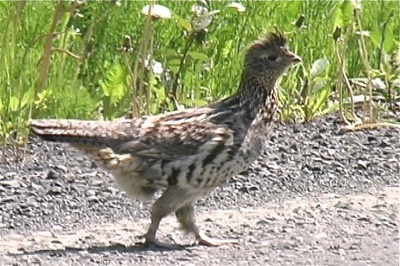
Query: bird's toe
<point>155,243</point>
<point>204,240</point>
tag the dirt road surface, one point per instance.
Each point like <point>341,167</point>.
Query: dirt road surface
<point>317,197</point>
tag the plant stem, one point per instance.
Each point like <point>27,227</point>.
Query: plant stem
<point>181,66</point>
<point>45,63</point>
<point>364,57</point>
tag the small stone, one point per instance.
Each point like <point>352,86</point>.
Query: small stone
<point>343,205</point>
<point>52,175</point>
<point>90,193</point>
<point>11,174</point>
<point>362,164</point>
<point>54,191</point>
<point>10,183</point>
<point>93,198</point>
<point>263,222</point>
<point>61,167</point>
<point>97,183</point>
<point>253,188</point>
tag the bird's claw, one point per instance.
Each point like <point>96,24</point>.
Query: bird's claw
<point>204,240</point>
<point>154,243</point>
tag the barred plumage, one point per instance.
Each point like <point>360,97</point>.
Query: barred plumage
<point>185,153</point>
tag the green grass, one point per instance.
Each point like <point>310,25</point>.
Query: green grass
<point>96,82</point>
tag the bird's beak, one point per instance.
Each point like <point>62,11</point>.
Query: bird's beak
<point>294,57</point>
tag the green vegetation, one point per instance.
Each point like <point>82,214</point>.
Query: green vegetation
<point>104,60</point>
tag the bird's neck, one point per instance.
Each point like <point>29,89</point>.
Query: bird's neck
<point>258,97</point>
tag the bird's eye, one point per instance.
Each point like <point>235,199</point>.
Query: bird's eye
<point>272,57</point>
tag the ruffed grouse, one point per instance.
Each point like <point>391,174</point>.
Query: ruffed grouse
<point>185,153</point>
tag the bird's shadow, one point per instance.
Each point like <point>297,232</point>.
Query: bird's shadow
<point>137,248</point>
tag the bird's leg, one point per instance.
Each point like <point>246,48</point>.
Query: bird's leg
<point>167,203</point>
<point>185,216</point>
<point>150,236</point>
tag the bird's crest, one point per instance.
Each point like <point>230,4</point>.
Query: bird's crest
<point>271,39</point>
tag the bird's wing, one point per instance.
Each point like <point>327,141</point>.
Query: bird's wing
<point>172,141</point>
<point>168,136</point>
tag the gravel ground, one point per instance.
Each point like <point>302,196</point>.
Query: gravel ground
<point>317,197</point>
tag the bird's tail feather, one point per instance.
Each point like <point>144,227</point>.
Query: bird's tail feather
<point>73,131</point>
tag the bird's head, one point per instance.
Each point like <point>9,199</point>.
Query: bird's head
<point>270,56</point>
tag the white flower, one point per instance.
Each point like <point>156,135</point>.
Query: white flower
<point>156,67</point>
<point>239,7</point>
<point>201,22</point>
<point>378,84</point>
<point>157,11</point>
<point>199,10</point>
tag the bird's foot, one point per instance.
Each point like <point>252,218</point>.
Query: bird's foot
<point>163,245</point>
<point>204,240</point>
<point>154,243</point>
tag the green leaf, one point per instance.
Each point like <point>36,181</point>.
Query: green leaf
<point>389,42</point>
<point>113,85</point>
<point>227,48</point>
<point>293,8</point>
<point>171,53</point>
<point>319,84</point>
<point>343,14</point>
<point>319,67</point>
<point>347,8</point>
<point>27,97</point>
<point>198,56</point>
<point>376,37</point>
<point>159,94</point>
<point>42,97</point>
<point>173,65</point>
<point>320,99</point>
<point>338,18</point>
<point>185,24</point>
<point>14,103</point>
